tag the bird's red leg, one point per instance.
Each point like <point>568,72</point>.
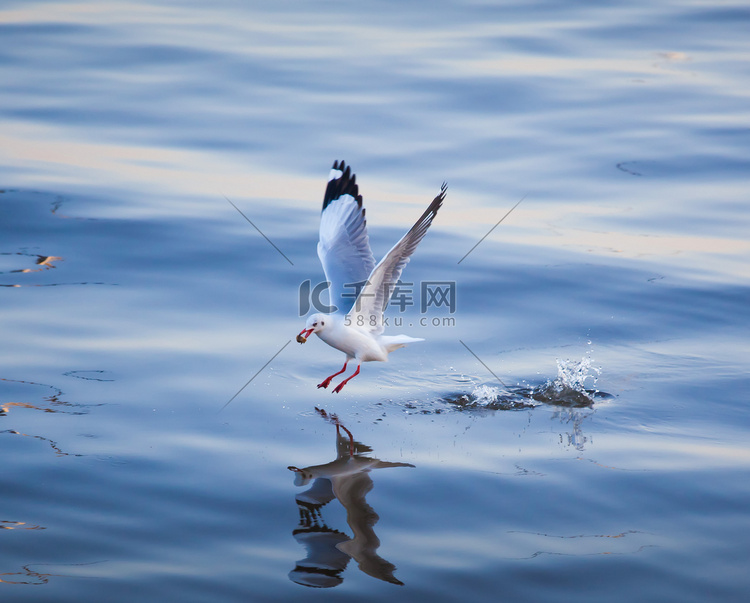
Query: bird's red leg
<point>341,385</point>
<point>327,381</point>
<point>351,440</point>
<point>339,427</point>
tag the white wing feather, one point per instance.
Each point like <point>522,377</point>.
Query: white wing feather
<point>344,247</point>
<point>373,299</point>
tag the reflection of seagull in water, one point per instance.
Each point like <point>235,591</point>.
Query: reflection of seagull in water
<point>344,250</point>
<point>328,551</point>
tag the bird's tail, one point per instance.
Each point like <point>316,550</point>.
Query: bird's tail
<point>394,342</point>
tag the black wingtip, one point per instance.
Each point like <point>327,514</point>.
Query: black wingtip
<point>341,184</point>
<point>443,190</point>
<point>437,202</point>
<point>429,214</point>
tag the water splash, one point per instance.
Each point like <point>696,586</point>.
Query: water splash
<point>573,387</point>
<point>575,384</point>
<point>491,398</point>
<point>485,394</point>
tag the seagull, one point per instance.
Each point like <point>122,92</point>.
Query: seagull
<point>344,251</point>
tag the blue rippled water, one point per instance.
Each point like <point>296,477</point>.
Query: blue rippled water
<point>577,429</point>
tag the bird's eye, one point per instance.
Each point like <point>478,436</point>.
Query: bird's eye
<point>315,324</point>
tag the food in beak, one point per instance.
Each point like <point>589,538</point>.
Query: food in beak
<point>301,339</point>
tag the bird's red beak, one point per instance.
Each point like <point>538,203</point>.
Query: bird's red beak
<point>303,335</point>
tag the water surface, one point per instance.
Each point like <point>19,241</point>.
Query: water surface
<point>578,430</point>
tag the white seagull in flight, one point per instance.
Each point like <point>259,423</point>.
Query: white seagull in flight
<point>344,250</point>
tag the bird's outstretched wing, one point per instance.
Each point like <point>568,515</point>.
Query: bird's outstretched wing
<point>373,299</point>
<point>344,247</point>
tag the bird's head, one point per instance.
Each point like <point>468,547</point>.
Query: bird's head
<point>315,324</point>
